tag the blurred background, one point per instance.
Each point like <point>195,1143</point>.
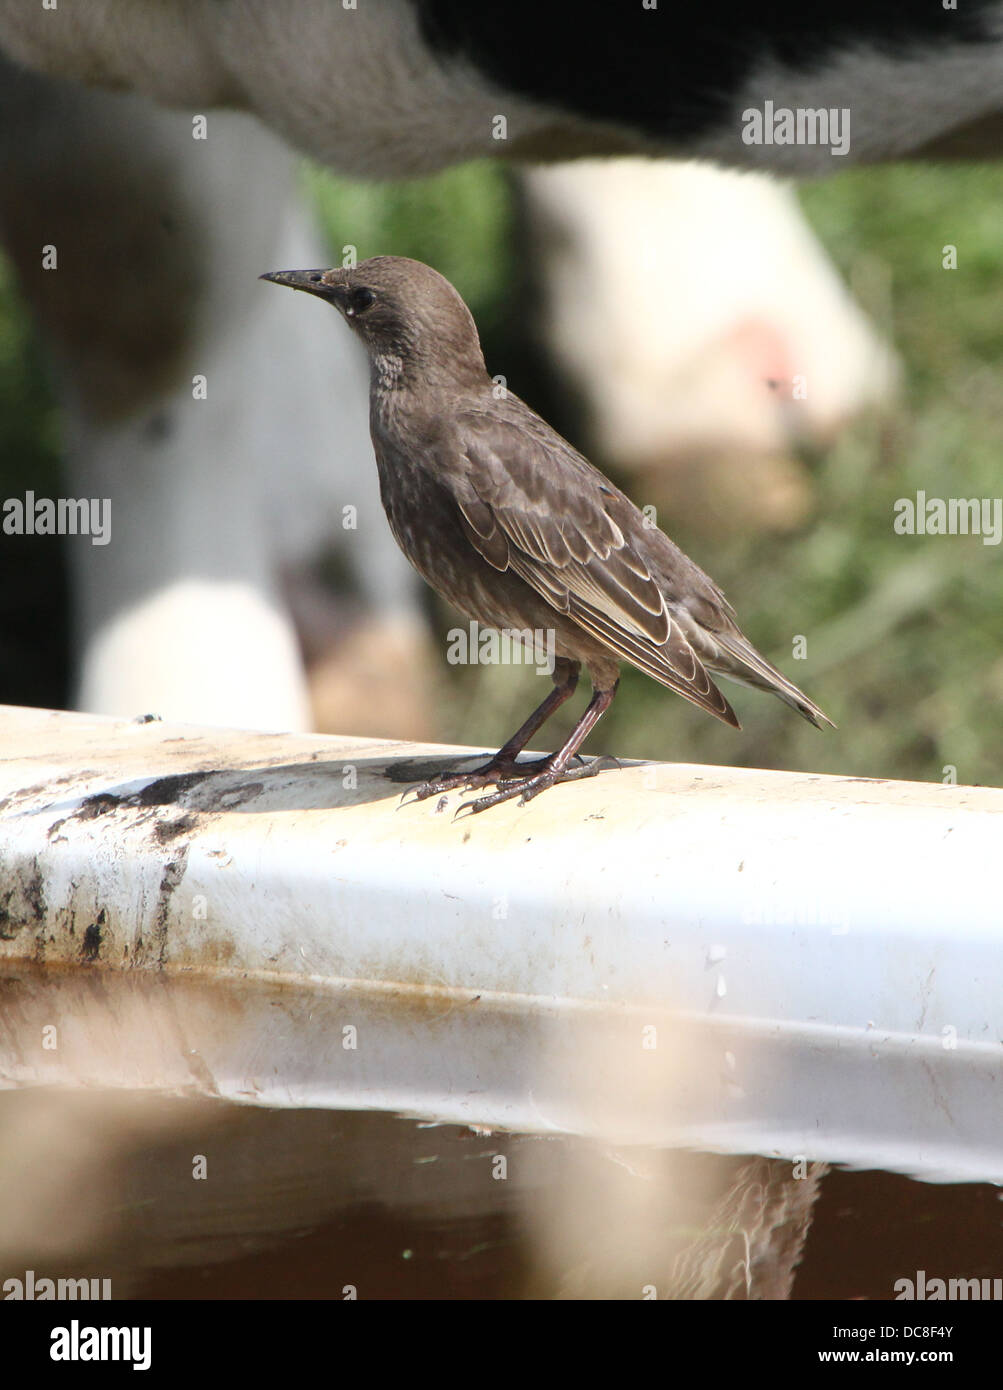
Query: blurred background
<point>902,633</point>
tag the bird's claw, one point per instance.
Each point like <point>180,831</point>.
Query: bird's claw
<point>525,788</point>
<point>490,774</point>
<point>510,780</point>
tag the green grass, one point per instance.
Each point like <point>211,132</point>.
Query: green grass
<point>458,221</point>
<point>29,424</point>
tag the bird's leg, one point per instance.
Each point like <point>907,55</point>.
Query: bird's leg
<point>555,767</point>
<point>504,761</point>
<point>503,765</point>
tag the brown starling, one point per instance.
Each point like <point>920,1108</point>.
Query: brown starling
<point>510,524</point>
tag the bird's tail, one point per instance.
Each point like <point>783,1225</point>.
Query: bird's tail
<point>748,667</point>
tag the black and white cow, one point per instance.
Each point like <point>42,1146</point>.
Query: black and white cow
<point>159,237</point>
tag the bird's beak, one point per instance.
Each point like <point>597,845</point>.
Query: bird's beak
<point>325,283</point>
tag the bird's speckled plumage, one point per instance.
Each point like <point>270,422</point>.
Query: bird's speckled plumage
<point>508,522</point>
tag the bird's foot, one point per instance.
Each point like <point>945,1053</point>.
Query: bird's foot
<point>525,788</point>
<point>497,769</point>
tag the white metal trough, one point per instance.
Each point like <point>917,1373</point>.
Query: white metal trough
<point>727,959</point>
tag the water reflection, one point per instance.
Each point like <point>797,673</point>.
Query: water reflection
<point>123,1156</point>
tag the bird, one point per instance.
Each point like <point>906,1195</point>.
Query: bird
<point>516,529</point>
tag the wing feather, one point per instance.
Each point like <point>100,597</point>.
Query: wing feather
<point>530,503</point>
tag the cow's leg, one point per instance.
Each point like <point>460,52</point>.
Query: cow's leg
<point>228,430</point>
<point>702,322</point>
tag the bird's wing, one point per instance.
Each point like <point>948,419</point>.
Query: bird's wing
<point>528,502</point>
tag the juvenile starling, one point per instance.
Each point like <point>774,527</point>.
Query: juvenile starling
<point>510,524</point>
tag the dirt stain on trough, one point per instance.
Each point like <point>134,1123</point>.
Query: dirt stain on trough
<point>169,791</point>
<point>22,901</point>
<point>90,949</point>
<point>174,872</point>
<point>167,813</point>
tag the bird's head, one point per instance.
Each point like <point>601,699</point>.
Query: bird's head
<point>411,321</point>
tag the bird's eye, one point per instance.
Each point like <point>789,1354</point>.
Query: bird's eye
<point>360,300</point>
